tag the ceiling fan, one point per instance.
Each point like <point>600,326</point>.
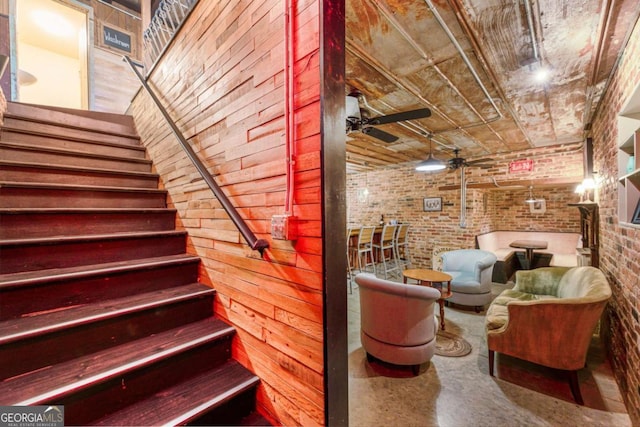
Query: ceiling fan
<point>358,118</point>
<point>458,162</point>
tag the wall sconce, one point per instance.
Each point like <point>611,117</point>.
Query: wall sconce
<point>584,190</point>
<point>588,184</point>
<point>580,190</point>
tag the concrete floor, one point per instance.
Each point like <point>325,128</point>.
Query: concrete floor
<point>458,391</point>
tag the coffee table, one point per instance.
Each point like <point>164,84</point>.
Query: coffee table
<point>429,278</point>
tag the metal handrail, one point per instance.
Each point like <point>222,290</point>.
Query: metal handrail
<point>249,236</point>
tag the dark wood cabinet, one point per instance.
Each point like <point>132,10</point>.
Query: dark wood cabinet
<point>589,228</point>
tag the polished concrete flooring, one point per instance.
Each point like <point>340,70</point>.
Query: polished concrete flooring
<point>458,391</point>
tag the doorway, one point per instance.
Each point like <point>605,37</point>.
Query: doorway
<point>51,51</point>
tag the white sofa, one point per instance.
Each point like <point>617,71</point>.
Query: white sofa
<point>561,249</point>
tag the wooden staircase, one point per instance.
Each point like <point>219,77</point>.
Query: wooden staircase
<point>100,306</point>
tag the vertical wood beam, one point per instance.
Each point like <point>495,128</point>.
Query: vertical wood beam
<point>332,111</point>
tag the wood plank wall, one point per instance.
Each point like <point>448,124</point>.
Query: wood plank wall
<point>114,84</point>
<point>223,82</point>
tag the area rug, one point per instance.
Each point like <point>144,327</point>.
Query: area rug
<point>451,345</point>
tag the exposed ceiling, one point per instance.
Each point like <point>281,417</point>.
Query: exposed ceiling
<point>472,62</point>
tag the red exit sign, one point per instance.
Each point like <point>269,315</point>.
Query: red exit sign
<point>521,166</point>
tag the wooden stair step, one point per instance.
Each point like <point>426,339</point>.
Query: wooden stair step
<point>70,251</point>
<point>38,291</point>
<point>13,126</point>
<point>32,223</point>
<point>67,174</point>
<point>56,381</point>
<point>48,323</point>
<point>103,130</point>
<point>189,400</point>
<point>42,195</point>
<point>26,109</point>
<point>43,339</point>
<point>93,146</point>
<point>54,156</point>
<point>35,278</point>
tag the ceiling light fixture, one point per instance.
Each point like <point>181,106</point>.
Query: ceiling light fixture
<point>542,75</point>
<point>431,164</point>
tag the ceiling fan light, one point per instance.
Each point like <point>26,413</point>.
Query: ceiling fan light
<point>431,164</point>
<point>353,109</point>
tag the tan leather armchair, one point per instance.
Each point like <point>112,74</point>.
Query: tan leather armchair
<point>397,321</point>
<point>548,318</point>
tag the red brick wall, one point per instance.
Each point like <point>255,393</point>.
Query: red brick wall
<point>619,246</point>
<point>398,194</point>
<point>223,79</point>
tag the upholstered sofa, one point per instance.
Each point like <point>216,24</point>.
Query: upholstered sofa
<point>548,318</point>
<point>561,250</point>
<point>397,321</point>
<point>471,271</point>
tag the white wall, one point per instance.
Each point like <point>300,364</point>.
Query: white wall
<point>58,77</point>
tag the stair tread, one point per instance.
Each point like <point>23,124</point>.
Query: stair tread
<point>88,123</point>
<point>187,400</point>
<point>68,152</point>
<point>52,382</point>
<point>13,184</point>
<point>10,139</point>
<point>30,278</point>
<point>54,321</point>
<point>50,240</point>
<point>21,211</point>
<point>118,118</point>
<point>77,168</point>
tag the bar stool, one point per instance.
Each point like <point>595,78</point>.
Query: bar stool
<point>364,247</point>
<point>387,242</point>
<point>349,256</point>
<point>402,246</point>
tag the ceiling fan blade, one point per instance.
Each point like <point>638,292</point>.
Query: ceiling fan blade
<point>473,162</point>
<point>379,134</point>
<point>400,117</point>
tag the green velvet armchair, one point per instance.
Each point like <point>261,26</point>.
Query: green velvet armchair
<point>548,318</point>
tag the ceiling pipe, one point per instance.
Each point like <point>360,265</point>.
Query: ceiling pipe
<point>463,198</point>
<point>534,40</point>
<point>356,50</point>
<point>394,22</point>
<point>471,34</point>
<point>466,60</point>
